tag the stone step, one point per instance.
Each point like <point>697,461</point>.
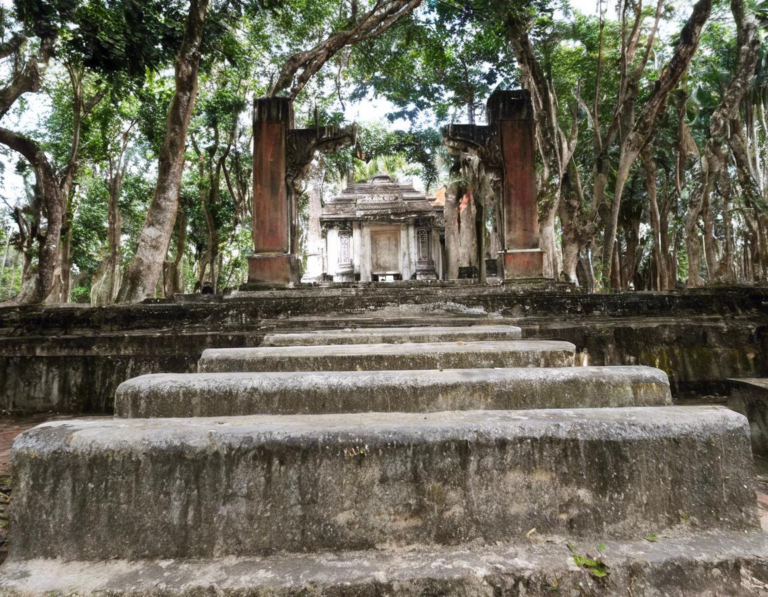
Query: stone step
<point>241,486</point>
<point>371,335</point>
<point>410,356</point>
<point>703,564</point>
<point>226,394</point>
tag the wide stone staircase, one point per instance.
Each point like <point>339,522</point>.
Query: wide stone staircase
<point>389,461</point>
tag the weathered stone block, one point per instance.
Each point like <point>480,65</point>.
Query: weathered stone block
<point>749,396</point>
<point>409,356</point>
<point>523,264</point>
<point>235,486</point>
<point>702,565</point>
<point>273,269</point>
<point>72,358</point>
<point>224,394</point>
<point>374,335</point>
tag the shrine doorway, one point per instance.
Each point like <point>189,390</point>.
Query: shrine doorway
<point>385,254</point>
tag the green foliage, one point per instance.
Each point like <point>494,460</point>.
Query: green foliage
<point>443,78</point>
<point>396,166</point>
<point>595,565</point>
<point>420,152</point>
<point>434,67</point>
<point>118,39</point>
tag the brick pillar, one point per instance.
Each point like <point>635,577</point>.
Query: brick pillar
<point>274,261</point>
<point>511,113</point>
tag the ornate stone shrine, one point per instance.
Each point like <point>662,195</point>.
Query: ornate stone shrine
<point>381,230</point>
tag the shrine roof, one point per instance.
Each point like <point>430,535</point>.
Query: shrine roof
<point>379,196</point>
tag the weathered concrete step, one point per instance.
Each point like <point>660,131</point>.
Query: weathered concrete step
<point>708,564</point>
<point>410,356</point>
<point>372,335</point>
<point>225,394</point>
<point>212,487</point>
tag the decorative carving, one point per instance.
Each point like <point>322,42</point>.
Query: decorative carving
<point>422,243</point>
<point>302,144</point>
<point>378,198</point>
<point>345,248</point>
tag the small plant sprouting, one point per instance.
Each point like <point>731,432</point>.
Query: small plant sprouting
<point>596,566</point>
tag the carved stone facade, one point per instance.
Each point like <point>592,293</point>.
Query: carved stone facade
<point>381,230</point>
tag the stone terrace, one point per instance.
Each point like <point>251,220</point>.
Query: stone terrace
<point>460,497</point>
<point>71,359</point>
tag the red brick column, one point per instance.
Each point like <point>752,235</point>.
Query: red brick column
<point>273,261</point>
<point>511,113</point>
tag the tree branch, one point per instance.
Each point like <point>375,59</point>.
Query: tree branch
<point>376,21</point>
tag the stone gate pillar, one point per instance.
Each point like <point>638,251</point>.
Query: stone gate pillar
<point>506,147</point>
<point>511,114</point>
<point>274,260</point>
<point>282,156</point>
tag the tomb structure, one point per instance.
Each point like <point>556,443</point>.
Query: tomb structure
<point>382,230</point>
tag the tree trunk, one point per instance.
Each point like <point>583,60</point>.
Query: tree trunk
<point>548,239</point>
<point>645,124</point>
<point>713,160</point>
<point>5,255</point>
<point>14,268</point>
<point>173,280</point>
<point>569,214</point>
<point>40,284</point>
<point>726,271</point>
<point>616,269</point>
<point>710,242</point>
<point>453,196</point>
<point>142,276</point>
<point>660,275</point>
<point>65,263</point>
<point>107,284</point>
<point>315,245</point>
<point>629,269</point>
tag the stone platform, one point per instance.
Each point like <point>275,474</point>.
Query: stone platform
<point>226,394</point>
<point>72,358</point>
<point>413,356</point>
<point>235,486</point>
<point>453,498</point>
<point>749,396</point>
<point>680,565</point>
<point>401,335</point>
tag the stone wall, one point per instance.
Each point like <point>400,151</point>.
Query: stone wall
<point>71,359</point>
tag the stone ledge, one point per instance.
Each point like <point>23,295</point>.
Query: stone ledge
<point>409,356</point>
<point>387,335</point>
<point>209,487</point>
<point>749,397</point>
<point>710,564</point>
<point>229,394</point>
